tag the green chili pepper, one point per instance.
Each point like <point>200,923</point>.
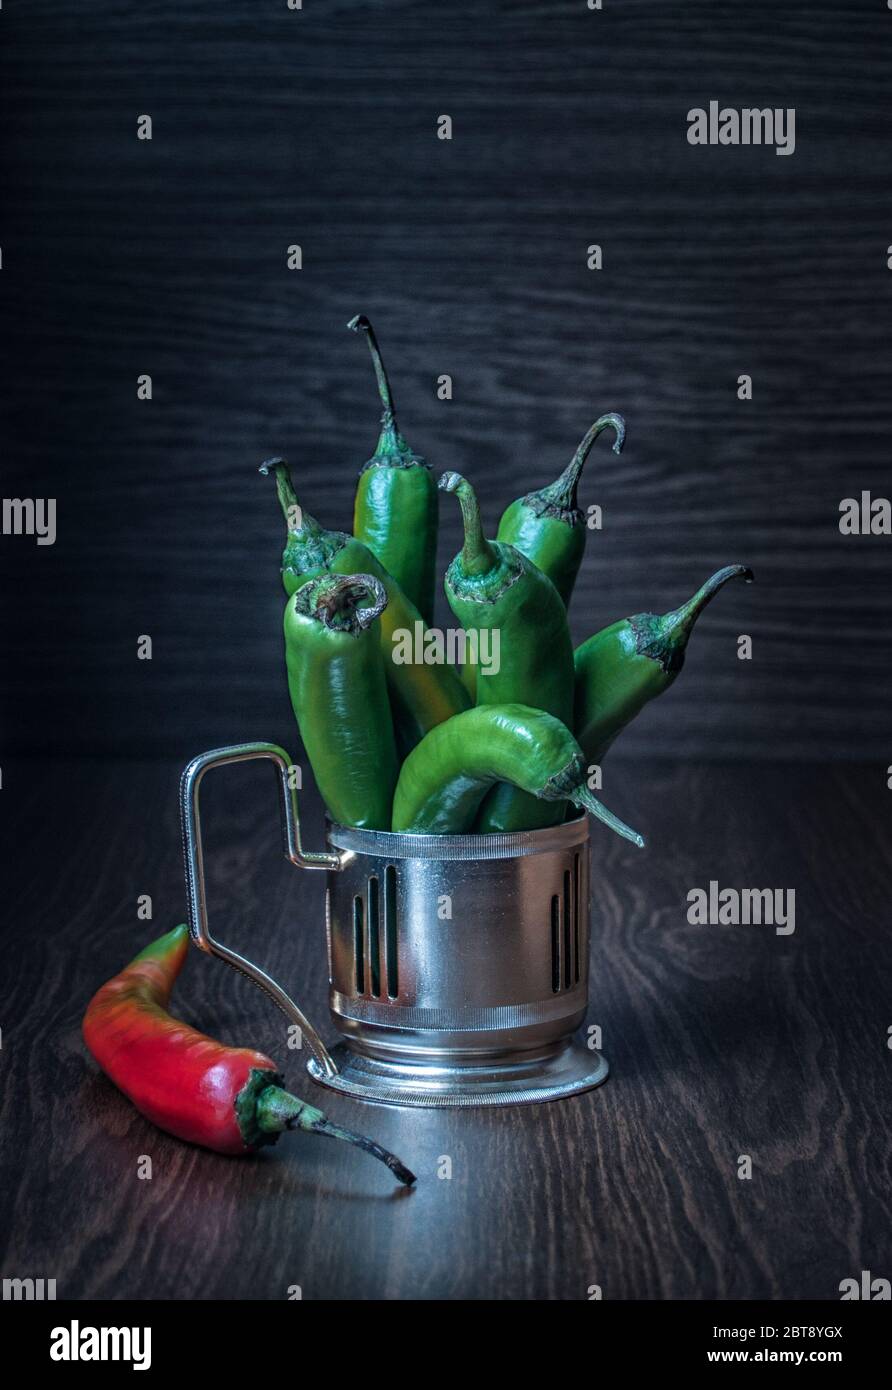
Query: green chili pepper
<point>444,779</point>
<point>548,525</point>
<point>495,591</point>
<point>469,680</point>
<point>395,513</point>
<point>421,695</point>
<point>339,695</point>
<point>624,666</point>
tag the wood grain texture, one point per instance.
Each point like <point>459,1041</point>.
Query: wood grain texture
<point>272,127</point>
<point>722,1040</point>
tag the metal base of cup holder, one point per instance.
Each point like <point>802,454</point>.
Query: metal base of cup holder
<point>572,1069</point>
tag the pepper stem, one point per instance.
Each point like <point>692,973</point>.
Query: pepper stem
<point>297,520</point>
<point>398,1168</point>
<point>478,555</point>
<point>582,797</point>
<point>336,600</point>
<point>561,494</point>
<point>278,1111</point>
<point>664,639</point>
<point>681,620</point>
<point>361,324</point>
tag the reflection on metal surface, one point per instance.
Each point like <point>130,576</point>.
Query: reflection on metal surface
<point>472,975</point>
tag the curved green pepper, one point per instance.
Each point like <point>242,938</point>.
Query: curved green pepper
<point>421,695</point>
<point>548,525</point>
<point>626,665</point>
<point>395,512</point>
<point>339,695</point>
<point>444,779</point>
<point>492,587</point>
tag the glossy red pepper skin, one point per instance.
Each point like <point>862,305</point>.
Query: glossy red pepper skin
<point>229,1099</point>
<point>181,1080</point>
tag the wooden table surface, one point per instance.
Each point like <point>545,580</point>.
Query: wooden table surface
<point>724,1041</point>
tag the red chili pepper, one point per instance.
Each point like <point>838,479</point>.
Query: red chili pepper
<point>229,1099</point>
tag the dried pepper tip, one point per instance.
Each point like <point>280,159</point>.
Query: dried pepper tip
<point>337,601</point>
<point>582,797</point>
<point>282,474</point>
<point>277,1111</point>
<point>559,498</point>
<point>295,517</point>
<point>392,449</point>
<point>683,618</point>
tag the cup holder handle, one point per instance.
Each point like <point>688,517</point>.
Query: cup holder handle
<point>193,856</point>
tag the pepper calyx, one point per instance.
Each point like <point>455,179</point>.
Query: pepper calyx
<point>485,588</point>
<point>540,505</point>
<point>303,554</point>
<point>561,784</point>
<point>248,1107</point>
<point>653,641</point>
<point>392,450</point>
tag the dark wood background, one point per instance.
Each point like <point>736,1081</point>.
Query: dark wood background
<point>121,257</point>
<point>318,127</point>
